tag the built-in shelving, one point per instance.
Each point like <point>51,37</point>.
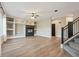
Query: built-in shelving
<point>9,33</point>
<point>10,26</point>
<point>10,29</point>
<point>15,28</point>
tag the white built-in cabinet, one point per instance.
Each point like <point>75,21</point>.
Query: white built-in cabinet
<point>15,27</point>
<point>10,27</point>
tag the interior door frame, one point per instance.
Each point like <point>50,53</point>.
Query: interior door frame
<point>53,28</point>
<point>70,29</point>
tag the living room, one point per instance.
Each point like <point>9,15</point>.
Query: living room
<point>31,27</point>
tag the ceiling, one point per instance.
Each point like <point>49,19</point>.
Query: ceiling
<point>45,9</point>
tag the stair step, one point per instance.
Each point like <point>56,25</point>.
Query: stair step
<point>71,51</point>
<point>74,45</point>
<point>73,37</point>
<point>76,40</point>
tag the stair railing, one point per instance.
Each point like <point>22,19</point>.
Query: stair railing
<point>64,30</point>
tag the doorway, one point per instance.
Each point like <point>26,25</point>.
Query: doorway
<point>70,29</point>
<point>53,30</point>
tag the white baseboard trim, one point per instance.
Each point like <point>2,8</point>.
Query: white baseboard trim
<point>44,36</point>
<point>61,45</point>
<point>15,37</point>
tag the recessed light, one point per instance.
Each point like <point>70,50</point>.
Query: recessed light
<point>55,10</point>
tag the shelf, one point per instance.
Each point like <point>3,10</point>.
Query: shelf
<point>9,25</point>
<point>10,29</point>
<point>9,33</point>
<point>10,19</point>
<point>15,28</point>
<point>20,23</point>
<point>10,22</point>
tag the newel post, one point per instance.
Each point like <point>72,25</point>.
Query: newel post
<point>62,37</point>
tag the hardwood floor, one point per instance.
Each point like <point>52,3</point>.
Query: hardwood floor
<point>33,47</point>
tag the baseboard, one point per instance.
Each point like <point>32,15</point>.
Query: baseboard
<point>44,36</point>
<point>15,37</point>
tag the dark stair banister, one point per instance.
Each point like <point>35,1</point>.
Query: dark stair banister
<point>66,27</point>
<point>62,33</point>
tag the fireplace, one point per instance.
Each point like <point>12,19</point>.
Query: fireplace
<point>29,30</point>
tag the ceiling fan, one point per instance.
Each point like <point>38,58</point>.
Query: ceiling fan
<point>34,15</point>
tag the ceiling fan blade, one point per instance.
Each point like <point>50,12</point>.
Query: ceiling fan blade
<point>27,11</point>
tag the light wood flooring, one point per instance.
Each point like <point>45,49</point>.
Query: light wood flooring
<point>33,47</point>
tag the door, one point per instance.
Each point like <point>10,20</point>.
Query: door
<point>70,29</point>
<point>53,29</point>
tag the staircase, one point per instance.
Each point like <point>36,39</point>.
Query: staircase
<point>71,43</point>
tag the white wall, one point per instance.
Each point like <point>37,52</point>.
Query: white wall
<point>20,27</point>
<point>75,14</point>
<point>44,28</point>
<point>1,28</point>
<point>1,22</point>
<point>30,22</point>
<point>76,26</point>
<point>20,30</point>
<point>69,19</point>
<point>0,49</point>
<point>4,28</point>
<point>59,23</point>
